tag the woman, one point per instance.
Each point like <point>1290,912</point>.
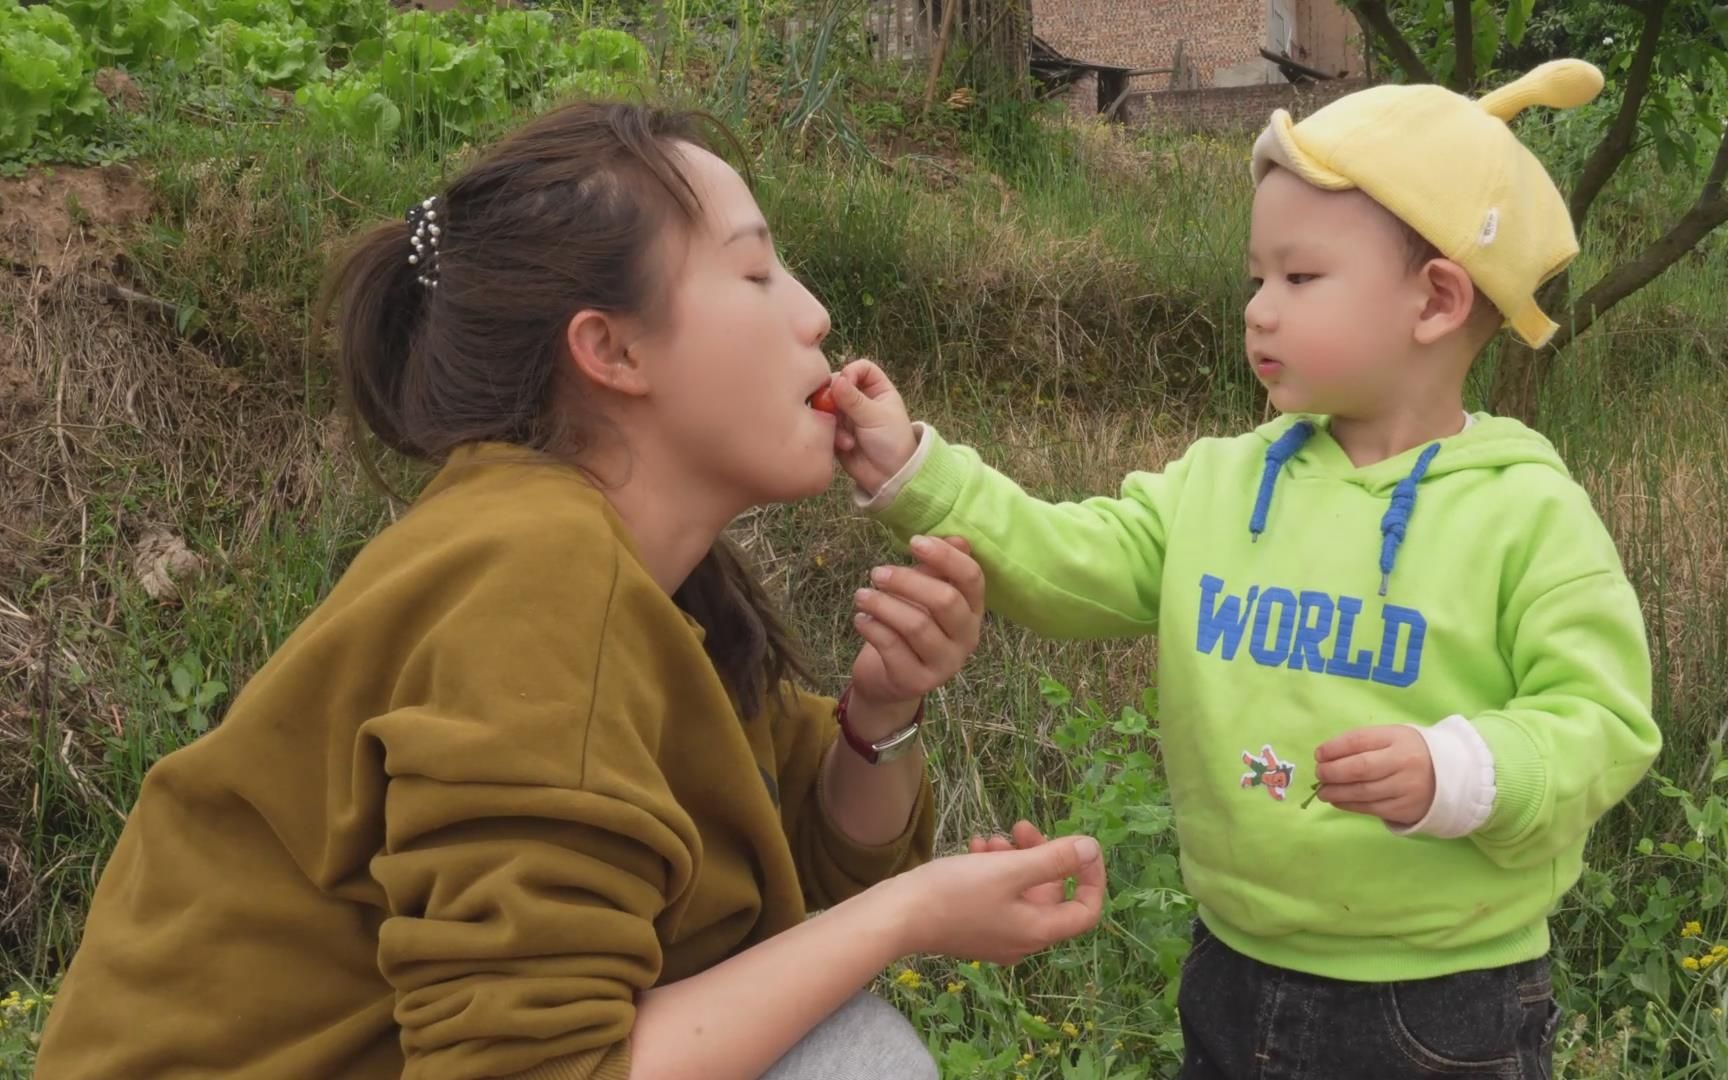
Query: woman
<point>533,793</point>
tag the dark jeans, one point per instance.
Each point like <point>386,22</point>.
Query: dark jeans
<point>1244,1020</point>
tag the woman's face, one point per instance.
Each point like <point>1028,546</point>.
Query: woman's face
<point>734,355</point>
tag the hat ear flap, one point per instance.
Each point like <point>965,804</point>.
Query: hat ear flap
<point>1558,84</point>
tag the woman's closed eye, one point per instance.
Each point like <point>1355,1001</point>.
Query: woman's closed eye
<point>1300,279</point>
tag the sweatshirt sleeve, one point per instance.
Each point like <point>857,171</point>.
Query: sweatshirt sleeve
<point>1088,569</point>
<point>1579,733</point>
<point>521,897</point>
<point>833,867</point>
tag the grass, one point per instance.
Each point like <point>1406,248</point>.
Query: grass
<point>1068,302</point>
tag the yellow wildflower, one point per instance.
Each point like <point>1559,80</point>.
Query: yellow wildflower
<point>1052,1049</point>
<point>1708,960</point>
<point>910,979</point>
<point>975,965</point>
<point>956,987</point>
<point>1720,950</point>
<point>1691,929</point>
<point>1089,1025</point>
<point>1026,1059</point>
<point>1716,1012</point>
<point>1690,963</point>
<point>1116,1047</point>
<point>1070,1030</point>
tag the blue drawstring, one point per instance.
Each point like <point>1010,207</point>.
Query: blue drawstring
<point>1393,525</point>
<point>1397,518</point>
<point>1276,455</point>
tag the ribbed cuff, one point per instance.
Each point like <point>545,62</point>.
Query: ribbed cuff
<point>1520,779</point>
<point>930,495</point>
<point>608,1063</point>
<point>1463,780</point>
<point>878,502</point>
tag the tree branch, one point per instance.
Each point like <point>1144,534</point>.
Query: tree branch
<point>1377,22</point>
<point>1463,45</point>
<point>1717,177</point>
<point>1616,145</point>
<point>1705,215</point>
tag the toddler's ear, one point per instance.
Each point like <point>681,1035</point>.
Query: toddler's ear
<point>1450,297</point>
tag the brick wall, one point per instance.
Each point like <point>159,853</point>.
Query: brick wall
<point>1218,34</point>
<point>1082,97</point>
<point>1235,108</point>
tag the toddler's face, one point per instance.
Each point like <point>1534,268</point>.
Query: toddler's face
<point>1330,325</point>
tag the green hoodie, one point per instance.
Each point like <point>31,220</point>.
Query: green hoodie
<point>1296,597</point>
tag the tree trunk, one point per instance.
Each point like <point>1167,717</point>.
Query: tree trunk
<point>950,8</point>
<point>1616,144</point>
<point>1377,21</point>
<point>1518,380</point>
<point>1463,47</point>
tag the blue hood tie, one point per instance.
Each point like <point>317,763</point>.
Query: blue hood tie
<point>1397,518</point>
<point>1393,525</point>
<point>1276,455</point>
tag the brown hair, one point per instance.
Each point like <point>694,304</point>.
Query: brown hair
<point>557,218</point>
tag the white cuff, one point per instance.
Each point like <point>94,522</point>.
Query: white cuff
<point>874,504</point>
<point>1463,780</point>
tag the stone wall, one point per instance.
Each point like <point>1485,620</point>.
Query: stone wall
<point>1235,108</point>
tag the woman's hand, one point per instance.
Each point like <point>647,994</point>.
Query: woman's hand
<point>1000,903</point>
<point>920,623</point>
<point>1025,836</point>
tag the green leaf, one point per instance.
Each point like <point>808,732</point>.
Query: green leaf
<point>1130,721</point>
<point>1054,693</point>
<point>1035,1028</point>
<point>1517,19</point>
<point>46,95</point>
<point>187,318</point>
<point>1719,19</point>
<point>183,682</point>
<point>209,692</point>
<point>1487,44</point>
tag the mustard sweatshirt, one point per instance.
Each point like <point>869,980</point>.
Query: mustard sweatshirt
<point>490,790</point>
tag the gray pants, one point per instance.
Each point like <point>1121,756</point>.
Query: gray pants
<point>864,1039</point>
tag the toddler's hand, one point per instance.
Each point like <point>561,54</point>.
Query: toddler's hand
<point>1385,772</point>
<point>874,438</point>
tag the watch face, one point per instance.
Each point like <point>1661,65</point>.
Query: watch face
<point>896,745</point>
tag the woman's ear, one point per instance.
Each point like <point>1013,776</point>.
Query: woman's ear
<point>599,350</point>
<point>1450,296</point>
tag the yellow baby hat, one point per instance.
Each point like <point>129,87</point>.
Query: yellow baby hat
<point>1450,168</point>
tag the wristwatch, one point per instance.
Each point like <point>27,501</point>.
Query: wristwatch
<point>892,746</point>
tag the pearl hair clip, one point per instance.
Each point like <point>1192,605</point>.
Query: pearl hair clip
<point>424,218</point>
